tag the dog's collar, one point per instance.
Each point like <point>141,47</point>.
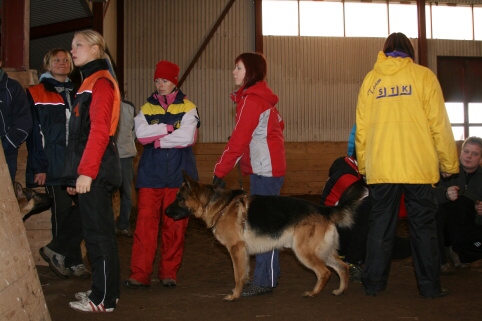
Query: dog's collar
<point>218,215</point>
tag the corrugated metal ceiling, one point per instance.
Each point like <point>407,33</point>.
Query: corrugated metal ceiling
<point>46,12</point>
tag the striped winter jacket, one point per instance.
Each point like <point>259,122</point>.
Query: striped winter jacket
<point>167,135</point>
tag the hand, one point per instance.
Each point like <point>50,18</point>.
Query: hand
<point>157,143</point>
<point>452,193</point>
<point>445,175</point>
<point>40,179</point>
<point>71,190</point>
<point>83,183</point>
<point>478,207</point>
<point>218,182</point>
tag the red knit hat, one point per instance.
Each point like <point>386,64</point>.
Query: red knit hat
<point>167,70</point>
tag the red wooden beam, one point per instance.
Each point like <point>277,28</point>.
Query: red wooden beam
<point>422,34</point>
<point>15,33</point>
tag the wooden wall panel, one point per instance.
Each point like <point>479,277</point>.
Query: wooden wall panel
<point>307,165</point>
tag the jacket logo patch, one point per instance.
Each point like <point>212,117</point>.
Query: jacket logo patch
<point>177,124</point>
<point>154,121</point>
<point>76,111</point>
<point>400,90</point>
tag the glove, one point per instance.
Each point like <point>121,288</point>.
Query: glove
<point>218,182</point>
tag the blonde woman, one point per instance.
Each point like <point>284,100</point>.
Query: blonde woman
<point>93,168</point>
<point>51,104</point>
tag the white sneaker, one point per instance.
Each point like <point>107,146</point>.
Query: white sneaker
<point>85,296</point>
<point>89,306</point>
<point>79,271</point>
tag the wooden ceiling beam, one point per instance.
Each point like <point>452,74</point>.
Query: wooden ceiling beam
<point>58,28</point>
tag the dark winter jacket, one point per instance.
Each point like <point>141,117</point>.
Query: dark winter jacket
<point>50,102</point>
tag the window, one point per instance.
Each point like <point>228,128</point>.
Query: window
<point>461,79</point>
<point>403,18</point>
<point>321,19</point>
<point>280,18</point>
<point>455,112</point>
<point>478,23</point>
<point>366,19</point>
<point>351,18</point>
<point>460,26</point>
<point>475,119</point>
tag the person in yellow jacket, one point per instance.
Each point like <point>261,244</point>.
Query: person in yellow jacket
<point>403,141</point>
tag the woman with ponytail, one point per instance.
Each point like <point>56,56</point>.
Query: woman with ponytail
<point>93,168</point>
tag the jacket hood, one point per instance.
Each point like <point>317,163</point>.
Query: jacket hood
<point>390,65</point>
<point>342,164</point>
<point>259,89</point>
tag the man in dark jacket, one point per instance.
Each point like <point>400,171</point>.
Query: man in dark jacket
<point>459,218</point>
<point>15,119</point>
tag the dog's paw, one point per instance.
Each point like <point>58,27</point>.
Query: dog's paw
<point>230,297</point>
<point>308,294</point>
<point>337,292</point>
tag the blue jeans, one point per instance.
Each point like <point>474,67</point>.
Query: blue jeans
<point>267,269</point>
<point>127,172</point>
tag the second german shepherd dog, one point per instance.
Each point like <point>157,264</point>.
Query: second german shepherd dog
<point>254,224</point>
<point>30,202</point>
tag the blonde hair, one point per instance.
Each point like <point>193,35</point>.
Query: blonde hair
<point>51,54</point>
<point>94,38</point>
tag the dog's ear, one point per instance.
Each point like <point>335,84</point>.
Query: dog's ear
<point>18,189</point>
<point>189,181</point>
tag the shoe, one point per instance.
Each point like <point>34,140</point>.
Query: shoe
<point>447,269</point>
<point>169,283</point>
<point>454,258</point>
<point>79,271</point>
<point>85,296</point>
<point>355,272</point>
<point>253,290</point>
<point>370,292</point>
<point>373,292</point>
<point>133,284</point>
<point>85,305</point>
<point>126,232</point>
<point>55,261</point>
<point>440,294</point>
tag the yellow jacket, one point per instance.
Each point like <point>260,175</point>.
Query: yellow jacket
<point>403,133</point>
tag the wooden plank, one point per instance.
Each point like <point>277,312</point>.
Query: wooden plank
<point>21,295</point>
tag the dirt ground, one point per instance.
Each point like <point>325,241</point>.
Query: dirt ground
<point>206,276</point>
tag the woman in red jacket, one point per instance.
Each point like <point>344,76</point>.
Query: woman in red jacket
<point>93,168</point>
<point>257,142</point>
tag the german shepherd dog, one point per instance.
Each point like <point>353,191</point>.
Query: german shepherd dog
<point>30,201</point>
<point>254,224</point>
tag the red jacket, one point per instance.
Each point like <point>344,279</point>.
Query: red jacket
<point>257,140</point>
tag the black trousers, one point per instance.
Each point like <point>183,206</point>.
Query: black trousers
<point>421,210</point>
<point>100,240</point>
<point>456,227</point>
<point>353,241</point>
<point>66,226</point>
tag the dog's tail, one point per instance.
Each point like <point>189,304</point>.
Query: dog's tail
<point>342,214</point>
